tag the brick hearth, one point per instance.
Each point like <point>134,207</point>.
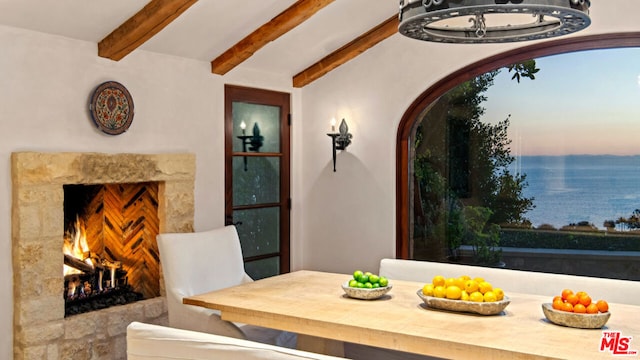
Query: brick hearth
<point>40,329</point>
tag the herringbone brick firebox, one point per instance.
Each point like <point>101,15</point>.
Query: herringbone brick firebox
<point>110,229</point>
<point>159,191</point>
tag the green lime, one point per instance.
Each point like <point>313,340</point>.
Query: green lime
<point>374,279</point>
<point>357,274</point>
<point>353,283</point>
<point>360,285</point>
<point>376,285</point>
<point>383,281</point>
<point>368,285</point>
<point>364,278</point>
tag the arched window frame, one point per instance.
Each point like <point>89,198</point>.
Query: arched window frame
<point>403,142</point>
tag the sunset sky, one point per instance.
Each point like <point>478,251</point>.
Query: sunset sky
<point>579,103</point>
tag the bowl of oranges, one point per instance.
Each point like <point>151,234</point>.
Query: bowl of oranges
<point>463,294</point>
<point>366,286</point>
<point>577,310</point>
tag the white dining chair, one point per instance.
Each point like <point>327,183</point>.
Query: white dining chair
<point>199,262</point>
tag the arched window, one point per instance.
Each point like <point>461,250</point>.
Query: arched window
<point>455,171</point>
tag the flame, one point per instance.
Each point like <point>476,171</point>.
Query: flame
<point>75,244</point>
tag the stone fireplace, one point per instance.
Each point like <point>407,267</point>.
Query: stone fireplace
<point>41,330</point>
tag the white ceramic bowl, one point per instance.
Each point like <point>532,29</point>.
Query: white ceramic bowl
<point>482,308</point>
<point>365,294</point>
<point>581,321</point>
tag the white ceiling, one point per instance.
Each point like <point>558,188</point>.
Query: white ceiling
<point>209,27</point>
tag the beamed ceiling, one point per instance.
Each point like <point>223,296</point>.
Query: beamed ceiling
<point>304,39</point>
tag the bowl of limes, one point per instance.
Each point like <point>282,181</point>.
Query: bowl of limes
<point>366,286</point>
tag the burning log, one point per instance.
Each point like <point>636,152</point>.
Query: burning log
<point>78,264</point>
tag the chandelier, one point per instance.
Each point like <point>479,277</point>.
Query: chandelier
<point>491,21</point>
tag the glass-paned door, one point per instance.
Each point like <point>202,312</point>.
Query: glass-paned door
<point>257,176</point>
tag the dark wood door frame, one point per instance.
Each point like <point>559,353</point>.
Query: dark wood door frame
<point>263,97</point>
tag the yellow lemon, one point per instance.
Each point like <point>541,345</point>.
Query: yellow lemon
<point>449,282</point>
<point>490,296</point>
<point>438,280</point>
<point>460,282</point>
<point>479,279</point>
<point>428,290</point>
<point>484,287</point>
<point>466,277</point>
<point>476,296</point>
<point>471,286</point>
<point>439,291</point>
<point>499,293</point>
<point>465,296</point>
<point>453,293</point>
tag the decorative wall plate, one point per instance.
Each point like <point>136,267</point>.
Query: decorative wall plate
<point>111,108</point>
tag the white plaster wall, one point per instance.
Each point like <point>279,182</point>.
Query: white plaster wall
<point>45,84</point>
<point>349,215</point>
<point>340,221</point>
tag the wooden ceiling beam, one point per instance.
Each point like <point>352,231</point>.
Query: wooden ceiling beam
<point>278,26</point>
<point>347,52</point>
<point>141,27</point>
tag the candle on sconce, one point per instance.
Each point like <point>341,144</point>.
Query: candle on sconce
<point>243,126</point>
<point>333,125</point>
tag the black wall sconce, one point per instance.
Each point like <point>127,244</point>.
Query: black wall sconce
<point>253,141</point>
<point>339,140</point>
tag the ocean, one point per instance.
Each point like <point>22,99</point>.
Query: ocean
<point>573,188</point>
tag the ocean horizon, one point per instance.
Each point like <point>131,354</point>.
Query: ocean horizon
<point>573,188</point>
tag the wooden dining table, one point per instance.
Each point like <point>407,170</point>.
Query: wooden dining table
<point>314,305</point>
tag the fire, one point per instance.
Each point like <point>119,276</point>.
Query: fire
<point>75,245</point>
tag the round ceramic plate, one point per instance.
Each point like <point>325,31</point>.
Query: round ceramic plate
<point>111,108</point>
<point>365,294</point>
<point>581,321</point>
<point>482,308</point>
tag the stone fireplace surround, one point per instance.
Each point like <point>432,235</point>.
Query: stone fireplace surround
<point>40,329</point>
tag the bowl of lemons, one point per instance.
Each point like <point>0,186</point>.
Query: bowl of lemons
<point>366,286</point>
<point>464,294</point>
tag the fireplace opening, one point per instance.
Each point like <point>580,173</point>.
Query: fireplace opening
<point>109,246</point>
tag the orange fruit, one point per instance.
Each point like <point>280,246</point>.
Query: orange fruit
<point>592,308</point>
<point>567,307</point>
<point>565,293</point>
<point>584,299</point>
<point>559,304</point>
<point>581,293</point>
<point>602,305</point>
<point>572,298</point>
<point>555,298</point>
<point>579,308</point>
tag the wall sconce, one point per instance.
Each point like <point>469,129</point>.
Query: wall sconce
<point>254,141</point>
<point>339,140</point>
